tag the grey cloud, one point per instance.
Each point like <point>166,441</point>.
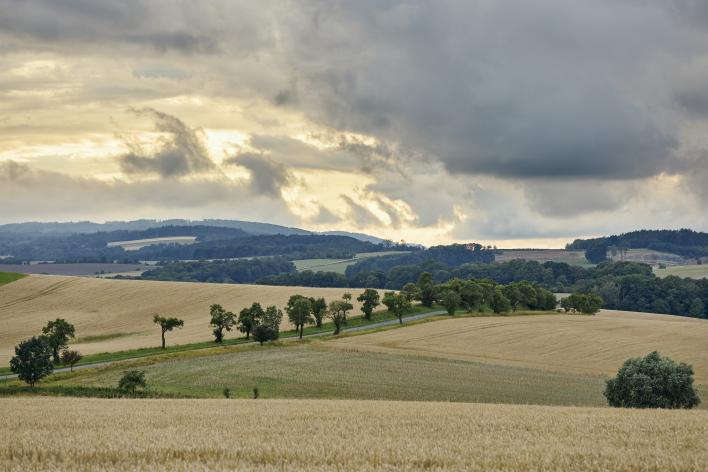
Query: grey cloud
<point>181,153</point>
<point>268,177</point>
<point>324,216</point>
<point>359,214</point>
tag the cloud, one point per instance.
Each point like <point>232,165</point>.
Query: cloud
<point>181,152</point>
<point>361,216</point>
<point>268,177</point>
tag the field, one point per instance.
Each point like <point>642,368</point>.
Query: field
<point>136,244</point>
<point>590,345</point>
<point>694,271</point>
<point>120,312</point>
<point>338,265</point>
<point>543,255</point>
<point>7,277</point>
<point>312,435</point>
<point>649,256</point>
<point>81,269</point>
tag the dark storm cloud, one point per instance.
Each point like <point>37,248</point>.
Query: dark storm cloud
<point>181,152</point>
<point>268,177</point>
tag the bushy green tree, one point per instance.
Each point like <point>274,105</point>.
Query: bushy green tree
<point>319,309</point>
<point>587,303</point>
<point>221,320</point>
<point>426,289</point>
<point>57,333</point>
<point>337,312</point>
<point>299,310</point>
<point>249,318</point>
<point>397,304</point>
<point>410,291</point>
<point>263,333</point>
<point>451,301</point>
<point>369,299</point>
<point>471,295</point>
<point>131,380</point>
<point>500,304</point>
<point>652,381</point>
<point>32,361</point>
<point>167,324</point>
<point>273,317</point>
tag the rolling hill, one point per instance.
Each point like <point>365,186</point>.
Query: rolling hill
<point>113,315</point>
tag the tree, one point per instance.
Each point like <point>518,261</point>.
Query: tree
<point>587,303</point>
<point>221,320</point>
<point>471,295</point>
<point>57,333</point>
<point>426,289</point>
<point>299,311</point>
<point>596,253</point>
<point>500,304</point>
<point>249,318</point>
<point>167,324</point>
<point>71,358</point>
<point>263,333</point>
<point>273,317</point>
<point>319,309</point>
<point>697,307</point>
<point>32,361</point>
<point>131,380</point>
<point>652,381</point>
<point>396,304</point>
<point>337,312</point>
<point>410,291</point>
<point>369,299</point>
<point>450,300</point>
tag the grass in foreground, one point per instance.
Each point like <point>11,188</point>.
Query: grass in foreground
<point>7,277</point>
<point>312,435</point>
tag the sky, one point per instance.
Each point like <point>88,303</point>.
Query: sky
<point>508,122</point>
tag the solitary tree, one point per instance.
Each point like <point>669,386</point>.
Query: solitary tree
<point>249,318</point>
<point>426,289</point>
<point>71,358</point>
<point>263,333</point>
<point>319,309</point>
<point>131,380</point>
<point>299,310</point>
<point>652,381</point>
<point>450,300</point>
<point>338,314</point>
<point>32,361</point>
<point>167,324</point>
<point>369,299</point>
<point>221,320</point>
<point>57,333</point>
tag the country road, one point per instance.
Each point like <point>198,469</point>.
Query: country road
<point>380,324</point>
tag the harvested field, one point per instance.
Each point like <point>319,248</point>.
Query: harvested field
<point>694,271</point>
<point>136,244</point>
<point>542,255</point>
<point>595,345</point>
<point>312,435</point>
<point>80,269</point>
<point>100,307</point>
<point>339,265</point>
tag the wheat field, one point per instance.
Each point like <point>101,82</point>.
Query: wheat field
<point>123,309</point>
<point>563,343</point>
<point>343,435</point>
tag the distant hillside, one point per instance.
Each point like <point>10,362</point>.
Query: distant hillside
<point>683,242</point>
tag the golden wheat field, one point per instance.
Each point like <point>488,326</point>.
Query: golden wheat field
<point>564,343</point>
<point>312,435</point>
<point>124,309</point>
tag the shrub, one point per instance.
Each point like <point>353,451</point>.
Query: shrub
<point>263,333</point>
<point>131,380</point>
<point>652,382</point>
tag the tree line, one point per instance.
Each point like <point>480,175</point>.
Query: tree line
<point>683,242</point>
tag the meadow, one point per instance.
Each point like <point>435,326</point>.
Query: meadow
<point>543,255</point>
<point>115,315</point>
<point>312,435</point>
<point>7,277</point>
<point>694,271</point>
<point>589,345</point>
<point>136,244</point>
<point>89,269</point>
<point>338,265</point>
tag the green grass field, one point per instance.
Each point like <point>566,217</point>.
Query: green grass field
<point>693,271</point>
<point>7,277</point>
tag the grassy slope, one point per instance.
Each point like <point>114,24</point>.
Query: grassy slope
<point>7,277</point>
<point>694,271</point>
<point>316,435</point>
<point>338,265</point>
